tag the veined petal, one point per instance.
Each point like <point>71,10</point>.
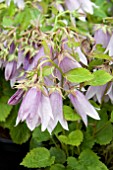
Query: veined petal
<point>57,110</point>
<point>82,106</point>
<point>15,99</point>
<point>110,47</point>
<point>29,105</point>
<point>45,111</point>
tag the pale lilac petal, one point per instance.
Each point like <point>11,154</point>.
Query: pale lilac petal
<point>100,92</point>
<point>82,57</point>
<point>10,69</point>
<point>45,111</point>
<point>33,122</point>
<point>82,106</point>
<point>101,37</point>
<point>110,92</point>
<point>15,99</point>
<point>29,105</point>
<point>57,110</point>
<point>110,47</point>
<point>68,64</point>
<point>91,91</point>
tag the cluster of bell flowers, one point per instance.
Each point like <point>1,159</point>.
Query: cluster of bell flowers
<point>42,103</point>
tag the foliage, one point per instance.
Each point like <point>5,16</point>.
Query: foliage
<point>52,61</point>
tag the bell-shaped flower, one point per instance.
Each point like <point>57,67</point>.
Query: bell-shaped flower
<point>83,106</point>
<point>81,6</point>
<point>110,47</point>
<point>102,37</point>
<point>57,110</point>
<point>96,92</point>
<point>29,106</point>
<point>16,98</point>
<point>10,70</point>
<point>45,110</point>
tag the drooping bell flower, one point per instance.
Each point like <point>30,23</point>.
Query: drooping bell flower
<point>57,110</point>
<point>29,107</point>
<point>16,98</point>
<point>109,48</point>
<point>81,6</point>
<point>83,106</point>
<point>45,110</point>
<point>10,69</point>
<point>102,37</point>
<point>96,91</point>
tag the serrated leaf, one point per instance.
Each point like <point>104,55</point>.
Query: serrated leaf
<point>63,139</point>
<point>58,153</point>
<point>47,70</point>
<point>91,161</point>
<point>101,77</point>
<point>57,167</point>
<point>38,158</point>
<point>75,138</point>
<point>69,114</point>
<point>74,164</point>
<point>20,134</point>
<point>103,126</point>
<point>40,136</point>
<point>7,22</point>
<point>5,109</point>
<point>78,75</point>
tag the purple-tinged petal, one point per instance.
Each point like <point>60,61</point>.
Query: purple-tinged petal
<point>110,47</point>
<point>29,105</point>
<point>16,98</point>
<point>45,111</point>
<point>57,110</point>
<point>101,37</point>
<point>12,48</point>
<point>110,92</point>
<point>82,106</point>
<point>68,64</point>
<point>82,57</point>
<point>97,91</point>
<point>10,70</point>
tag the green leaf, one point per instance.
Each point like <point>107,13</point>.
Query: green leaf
<point>69,114</point>
<point>102,128</point>
<point>101,56</point>
<point>5,109</point>
<point>101,77</point>
<point>20,134</point>
<point>47,70</point>
<point>78,75</point>
<point>74,138</point>
<point>91,161</point>
<point>38,158</point>
<point>57,167</point>
<point>74,164</point>
<point>7,22</point>
<point>58,153</point>
<point>111,119</point>
<point>40,136</point>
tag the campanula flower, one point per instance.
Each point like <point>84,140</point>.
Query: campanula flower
<point>57,110</point>
<point>16,98</point>
<point>83,106</point>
